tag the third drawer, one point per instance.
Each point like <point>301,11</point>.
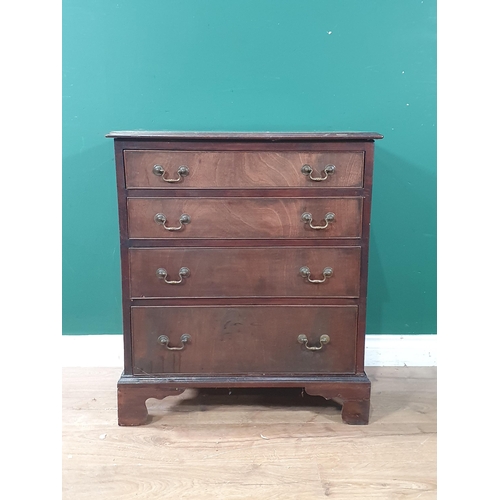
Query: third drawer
<point>245,272</point>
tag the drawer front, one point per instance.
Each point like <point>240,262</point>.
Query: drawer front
<point>244,218</point>
<point>244,339</point>
<point>245,272</point>
<point>205,169</point>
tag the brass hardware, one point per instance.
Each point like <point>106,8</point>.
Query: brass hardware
<point>183,219</point>
<point>182,171</point>
<point>323,340</point>
<point>307,170</point>
<point>307,217</point>
<point>164,340</point>
<point>162,274</point>
<point>305,272</point>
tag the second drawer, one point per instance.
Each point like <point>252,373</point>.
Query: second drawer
<point>250,218</point>
<point>245,272</point>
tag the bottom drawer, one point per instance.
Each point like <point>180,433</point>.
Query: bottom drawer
<point>244,339</point>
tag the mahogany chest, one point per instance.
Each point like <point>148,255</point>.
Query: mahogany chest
<point>244,264</point>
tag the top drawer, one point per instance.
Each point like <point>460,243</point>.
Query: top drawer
<point>152,169</point>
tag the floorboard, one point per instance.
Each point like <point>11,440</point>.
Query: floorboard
<point>250,444</point>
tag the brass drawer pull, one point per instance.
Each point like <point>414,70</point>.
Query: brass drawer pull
<point>182,171</point>
<point>164,340</point>
<point>307,217</point>
<point>307,170</point>
<point>323,340</point>
<point>162,274</point>
<point>305,272</point>
<point>162,219</point>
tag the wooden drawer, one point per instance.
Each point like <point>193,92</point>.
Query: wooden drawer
<point>244,217</point>
<point>245,272</point>
<point>227,169</point>
<point>244,339</point>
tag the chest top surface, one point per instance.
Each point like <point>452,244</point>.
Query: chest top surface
<point>248,136</point>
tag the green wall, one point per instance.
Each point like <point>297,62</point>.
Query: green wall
<point>254,65</point>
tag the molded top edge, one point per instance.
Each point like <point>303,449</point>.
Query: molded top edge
<point>247,136</point>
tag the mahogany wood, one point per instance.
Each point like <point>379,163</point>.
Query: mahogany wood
<point>232,243</point>
<point>352,392</point>
<point>132,401</point>
<point>369,156</point>
<point>230,218</point>
<point>267,335</point>
<point>245,272</point>
<point>355,398</point>
<point>244,301</point>
<point>248,137</point>
<point>257,192</point>
<point>242,169</point>
<point>123,221</point>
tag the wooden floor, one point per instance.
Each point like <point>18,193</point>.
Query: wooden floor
<point>260,444</point>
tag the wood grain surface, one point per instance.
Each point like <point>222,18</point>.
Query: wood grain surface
<point>244,272</point>
<point>252,339</point>
<point>267,137</point>
<point>248,218</point>
<point>240,169</point>
<point>250,444</point>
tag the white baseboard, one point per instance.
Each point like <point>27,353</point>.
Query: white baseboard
<point>381,350</point>
<point>401,350</point>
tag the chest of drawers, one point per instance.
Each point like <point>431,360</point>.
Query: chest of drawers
<point>244,264</point>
